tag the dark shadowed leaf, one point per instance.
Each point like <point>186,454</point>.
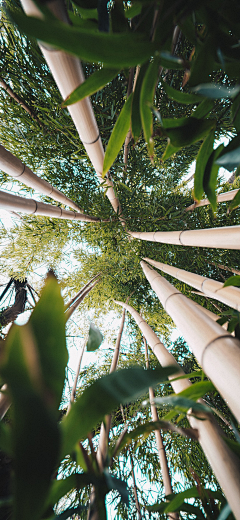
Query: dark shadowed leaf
<point>146,101</point>
<point>95,82</point>
<point>136,123</point>
<point>118,484</point>
<point>118,135</point>
<point>95,338</point>
<point>168,61</point>
<point>214,91</point>
<point>181,97</point>
<point>203,109</point>
<point>210,176</point>
<point>230,160</point>
<point>184,131</point>
<point>202,158</point>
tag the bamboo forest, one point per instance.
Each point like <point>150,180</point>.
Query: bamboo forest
<point>120,259</point>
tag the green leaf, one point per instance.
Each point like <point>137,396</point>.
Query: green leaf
<point>184,132</point>
<point>118,484</point>
<point>202,159</point>
<point>134,10</point>
<point>225,512</point>
<point>181,97</point>
<point>88,13</point>
<point>235,112</point>
<point>146,101</point>
<point>109,48</point>
<point>181,404</point>
<point>203,109</point>
<point>210,176</point>
<point>103,396</point>
<point>179,499</point>
<point>95,82</point>
<point>168,61</point>
<point>233,280</point>
<point>118,135</point>
<point>197,390</point>
<point>215,91</point>
<point>235,202</point>
<point>95,338</point>
<point>230,160</point>
<point>136,123</point>
<point>61,487</point>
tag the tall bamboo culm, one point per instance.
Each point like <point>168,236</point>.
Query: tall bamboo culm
<point>16,169</point>
<point>213,289</point>
<point>222,197</point>
<point>216,351</point>
<point>221,458</point>
<point>159,442</point>
<point>13,203</point>
<point>220,238</point>
<point>68,75</point>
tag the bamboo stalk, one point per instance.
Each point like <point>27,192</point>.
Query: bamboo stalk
<point>70,310</point>
<point>221,238</point>
<point>68,304</point>
<point>220,457</point>
<point>222,197</point>
<point>159,442</point>
<point>16,169</point>
<point>12,202</point>
<point>68,75</point>
<point>216,351</point>
<point>211,288</point>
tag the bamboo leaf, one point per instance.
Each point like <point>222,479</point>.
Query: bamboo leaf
<point>103,396</point>
<point>203,109</point>
<point>95,338</point>
<point>202,159</point>
<point>109,48</point>
<point>93,84</point>
<point>230,160</point>
<point>118,135</point>
<point>197,390</point>
<point>168,61</point>
<point>136,123</point>
<point>146,101</point>
<point>118,484</point>
<point>215,91</point>
<point>210,176</point>
<point>182,404</point>
<point>233,280</point>
<point>183,132</point>
<point>179,499</point>
<point>235,202</point>
<point>181,97</point>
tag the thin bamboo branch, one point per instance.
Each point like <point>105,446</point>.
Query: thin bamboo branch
<point>211,288</point>
<point>70,302</point>
<point>222,197</point>
<point>18,170</point>
<point>70,310</point>
<point>14,96</point>
<point>138,508</point>
<point>12,202</point>
<point>221,238</point>
<point>68,75</point>
<point>220,457</point>
<point>225,268</point>
<point>159,442</point>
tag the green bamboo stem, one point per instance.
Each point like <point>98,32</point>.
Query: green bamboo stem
<point>220,457</point>
<point>211,288</point>
<point>18,170</point>
<point>220,238</point>
<point>11,202</point>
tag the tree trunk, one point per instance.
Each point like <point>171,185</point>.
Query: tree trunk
<point>219,238</point>
<point>11,313</point>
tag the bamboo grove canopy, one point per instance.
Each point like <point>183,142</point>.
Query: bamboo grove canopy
<point>104,107</point>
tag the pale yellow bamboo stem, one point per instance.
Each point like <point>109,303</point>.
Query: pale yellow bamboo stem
<point>74,388</point>
<point>220,457</point>
<point>213,289</point>
<point>70,302</point>
<point>221,238</point>
<point>68,75</point>
<point>70,310</point>
<point>222,197</point>
<point>16,169</point>
<point>12,202</point>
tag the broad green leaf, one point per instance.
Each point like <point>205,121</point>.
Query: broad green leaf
<point>235,202</point>
<point>48,326</point>
<point>103,396</point>
<point>146,101</point>
<point>118,135</point>
<point>35,434</point>
<point>181,97</point>
<point>61,487</point>
<point>203,62</point>
<point>88,13</point>
<point>168,61</point>
<point>184,132</point>
<point>182,404</point>
<point>184,508</point>
<point>233,280</point>
<point>95,338</point>
<point>230,160</point>
<point>136,123</point>
<point>95,82</point>
<point>179,499</point>
<point>197,373</point>
<point>134,10</point>
<point>232,324</point>
<point>118,484</point>
<point>215,91</point>
<point>203,109</point>
<point>210,176</point>
<point>202,158</point>
<point>111,49</point>
<point>197,390</point>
